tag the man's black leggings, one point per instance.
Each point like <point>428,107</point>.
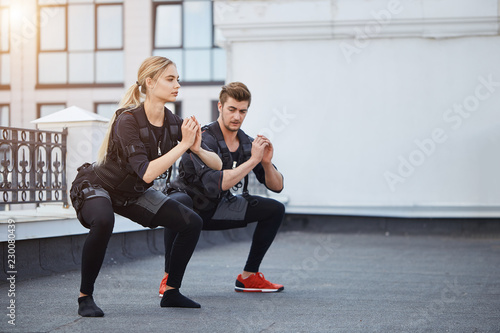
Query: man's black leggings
<point>98,214</point>
<point>268,213</point>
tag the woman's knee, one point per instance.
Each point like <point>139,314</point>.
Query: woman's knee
<point>178,217</point>
<point>192,224</point>
<point>102,224</point>
<point>99,215</point>
<point>183,198</point>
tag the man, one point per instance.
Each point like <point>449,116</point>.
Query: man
<point>209,189</point>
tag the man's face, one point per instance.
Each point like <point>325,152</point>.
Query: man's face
<point>232,113</point>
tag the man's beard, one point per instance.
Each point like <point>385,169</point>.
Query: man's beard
<point>229,128</point>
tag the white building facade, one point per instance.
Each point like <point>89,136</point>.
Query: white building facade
<point>382,107</point>
<point>59,53</point>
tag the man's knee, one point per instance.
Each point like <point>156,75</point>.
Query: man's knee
<point>279,208</point>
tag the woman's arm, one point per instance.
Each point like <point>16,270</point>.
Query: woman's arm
<point>161,164</point>
<point>211,159</point>
<point>158,166</point>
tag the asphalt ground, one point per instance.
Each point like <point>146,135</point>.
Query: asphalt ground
<point>333,283</point>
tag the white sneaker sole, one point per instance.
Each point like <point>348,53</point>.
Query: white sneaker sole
<point>257,290</point>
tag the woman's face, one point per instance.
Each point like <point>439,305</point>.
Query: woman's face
<point>166,87</point>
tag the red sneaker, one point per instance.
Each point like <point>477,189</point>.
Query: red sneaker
<point>163,285</point>
<point>256,283</point>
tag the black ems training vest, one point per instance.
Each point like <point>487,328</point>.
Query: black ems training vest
<point>116,173</point>
<point>227,160</point>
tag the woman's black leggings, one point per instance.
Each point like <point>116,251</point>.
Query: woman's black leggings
<point>268,213</point>
<point>98,214</point>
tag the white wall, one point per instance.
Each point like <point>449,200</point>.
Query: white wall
<point>369,125</point>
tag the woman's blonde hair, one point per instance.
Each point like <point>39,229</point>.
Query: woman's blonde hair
<point>152,68</point>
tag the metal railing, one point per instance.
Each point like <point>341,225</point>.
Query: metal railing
<point>32,166</point>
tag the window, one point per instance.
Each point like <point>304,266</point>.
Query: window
<point>175,107</point>
<point>80,42</point>
<point>4,115</point>
<point>183,32</point>
<point>215,110</point>
<point>49,108</point>
<point>106,109</point>
<point>4,45</point>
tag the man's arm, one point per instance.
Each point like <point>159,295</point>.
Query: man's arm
<point>274,179</point>
<point>232,177</point>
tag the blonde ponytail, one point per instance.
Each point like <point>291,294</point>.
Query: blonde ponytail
<point>103,150</point>
<point>132,97</point>
<point>152,68</point>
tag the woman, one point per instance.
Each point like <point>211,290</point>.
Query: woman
<point>141,145</point>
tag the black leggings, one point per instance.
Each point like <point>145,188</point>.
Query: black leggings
<point>268,213</point>
<point>98,214</point>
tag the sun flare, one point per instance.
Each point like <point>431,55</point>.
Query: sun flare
<point>16,13</point>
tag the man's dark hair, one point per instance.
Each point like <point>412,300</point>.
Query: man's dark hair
<point>236,90</point>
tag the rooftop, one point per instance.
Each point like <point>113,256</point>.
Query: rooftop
<point>334,282</point>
